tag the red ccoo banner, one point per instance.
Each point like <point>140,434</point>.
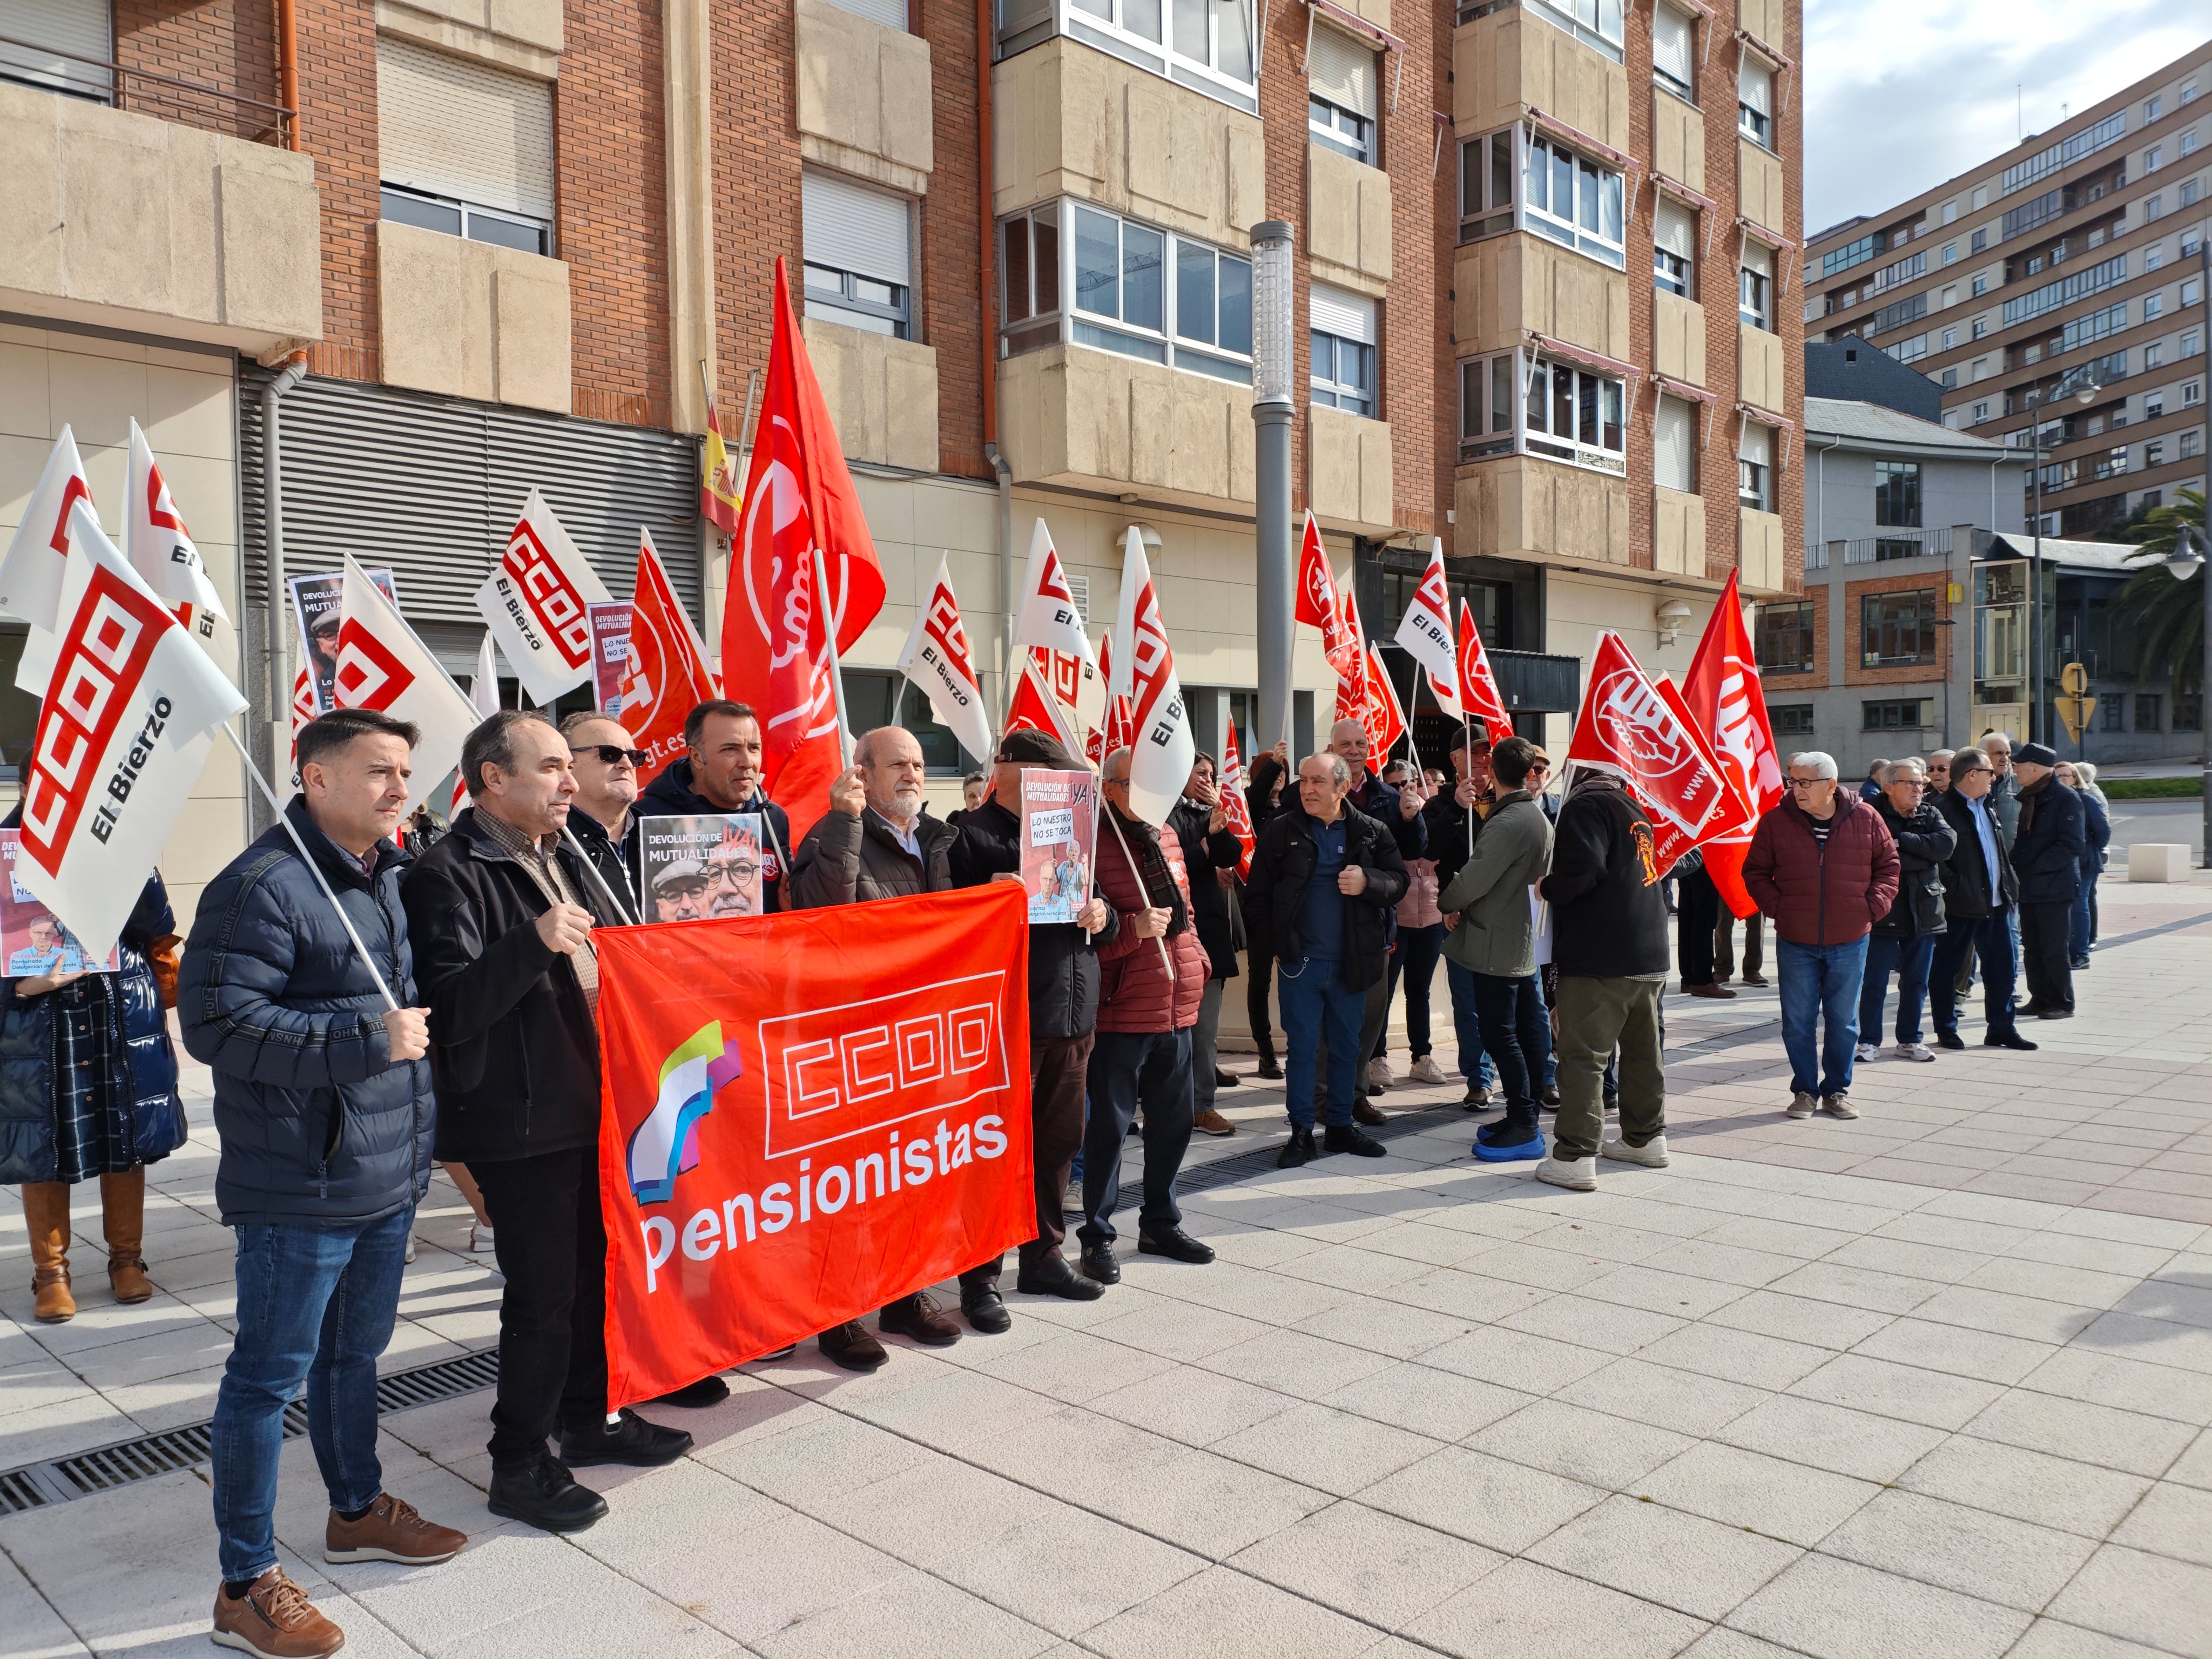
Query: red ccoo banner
<point>805,1116</point>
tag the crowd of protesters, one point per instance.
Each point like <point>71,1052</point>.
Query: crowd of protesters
<point>1546,910</point>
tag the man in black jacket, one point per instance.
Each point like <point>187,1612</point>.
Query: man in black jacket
<point>1609,942</point>
<point>1904,941</point>
<point>606,759</point>
<point>2046,856</point>
<point>1209,848</point>
<point>720,772</point>
<point>1326,879</point>
<point>1063,1026</point>
<point>1263,796</point>
<point>1399,811</point>
<point>1979,893</point>
<point>1450,824</point>
<point>323,1108</point>
<point>501,913</point>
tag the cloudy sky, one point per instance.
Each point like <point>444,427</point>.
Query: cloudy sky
<point>1901,95</point>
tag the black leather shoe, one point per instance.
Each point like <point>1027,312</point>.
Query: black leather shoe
<point>1099,1265</point>
<point>1299,1150</point>
<point>1949,1040</point>
<point>1053,1277</point>
<point>1177,1245</point>
<point>2008,1040</point>
<point>985,1309</point>
<point>852,1345</point>
<point>1225,1079</point>
<point>1548,1097</point>
<point>706,1391</point>
<point>1270,1068</point>
<point>545,1495</point>
<point>630,1439</point>
<point>1350,1137</point>
<point>2055,1014</point>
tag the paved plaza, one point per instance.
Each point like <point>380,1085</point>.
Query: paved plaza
<point>1935,1382</point>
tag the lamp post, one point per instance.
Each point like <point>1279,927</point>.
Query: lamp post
<point>2037,398</point>
<point>2185,564</point>
<point>1272,366</point>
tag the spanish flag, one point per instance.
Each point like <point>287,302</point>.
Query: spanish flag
<point>719,495</point>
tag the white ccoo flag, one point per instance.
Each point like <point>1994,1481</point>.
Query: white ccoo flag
<point>381,664</point>
<point>534,603</point>
<point>159,546</point>
<point>483,692</point>
<point>937,659</point>
<point>1425,632</point>
<point>120,739</point>
<point>1162,748</point>
<point>32,575</point>
<point>1049,619</point>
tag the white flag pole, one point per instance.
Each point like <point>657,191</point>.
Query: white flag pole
<point>606,892</point>
<point>837,673</point>
<point>1166,962</point>
<point>315,869</point>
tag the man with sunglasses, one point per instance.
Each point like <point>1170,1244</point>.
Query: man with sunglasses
<point>602,752</point>
<point>720,772</point>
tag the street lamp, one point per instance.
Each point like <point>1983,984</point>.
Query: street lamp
<point>1272,406</point>
<point>2037,396</point>
<point>2184,564</point>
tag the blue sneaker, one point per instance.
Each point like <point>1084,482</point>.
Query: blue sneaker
<point>1491,1146</point>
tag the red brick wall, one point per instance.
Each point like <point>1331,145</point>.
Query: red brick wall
<point>756,183</point>
<point>954,316</point>
<point>1283,114</point>
<point>230,45</point>
<point>338,103</point>
<point>1913,674</point>
<point>1409,381</point>
<point>1434,34</point>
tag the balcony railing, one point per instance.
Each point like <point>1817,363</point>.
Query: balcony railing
<point>185,102</point>
<point>1899,544</point>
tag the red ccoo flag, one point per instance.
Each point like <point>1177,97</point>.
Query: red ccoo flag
<point>1479,696</point>
<point>1239,809</point>
<point>1726,698</point>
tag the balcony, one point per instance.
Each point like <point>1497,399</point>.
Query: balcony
<point>1349,465</point>
<point>1512,286</point>
<point>882,393</point>
<point>1678,338</point>
<point>1758,367</point>
<point>1523,507</point>
<point>121,218</point>
<point>1348,220</point>
<point>864,101</point>
<point>1508,64</point>
<point>1092,420</point>
<point>1760,551</point>
<point>1678,532</point>
<point>470,320</point>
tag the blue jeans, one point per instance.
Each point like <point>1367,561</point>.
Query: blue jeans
<point>1909,958</point>
<point>1518,1031</point>
<point>1820,982</point>
<point>1990,939</point>
<point>1129,1069</point>
<point>315,1305</point>
<point>1474,1062</point>
<point>2083,932</point>
<point>1313,996</point>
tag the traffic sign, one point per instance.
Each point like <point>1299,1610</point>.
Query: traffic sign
<point>2074,679</point>
<point>2075,712</point>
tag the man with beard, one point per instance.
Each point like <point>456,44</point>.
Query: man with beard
<point>720,772</point>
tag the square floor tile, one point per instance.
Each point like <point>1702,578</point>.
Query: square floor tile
<point>2140,1597</point>
<point>1334,1451</point>
<point>1373,1566</point>
<point>1970,1551</point>
<point>1834,1609</point>
<point>1583,1445</point>
<point>1487,1500</point>
<point>1832,1437</point>
<point>1696,1566</point>
<point>2073,1495</point>
<point>1527,1611</point>
<point>1790,1501</point>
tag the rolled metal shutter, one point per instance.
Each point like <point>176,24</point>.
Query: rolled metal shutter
<point>80,27</point>
<point>849,227</point>
<point>891,13</point>
<point>1673,229</point>
<point>1348,316</point>
<point>1754,83</point>
<point>1342,70</point>
<point>464,130</point>
<point>1759,258</point>
<point>1757,443</point>
<point>430,487</point>
<point>1671,53</point>
<point>1674,446</point>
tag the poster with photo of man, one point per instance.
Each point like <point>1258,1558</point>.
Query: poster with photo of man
<point>1059,830</point>
<point>702,865</point>
<point>315,601</point>
<point>32,937</point>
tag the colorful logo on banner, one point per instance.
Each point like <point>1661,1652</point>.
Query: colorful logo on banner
<point>666,1144</point>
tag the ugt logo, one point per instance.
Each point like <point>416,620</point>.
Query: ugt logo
<point>666,1144</point>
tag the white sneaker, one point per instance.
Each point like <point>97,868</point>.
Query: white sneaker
<point>1803,1104</point>
<point>1378,1074</point>
<point>1868,1051</point>
<point>479,1239</point>
<point>1425,1070</point>
<point>1577,1174</point>
<point>1838,1105</point>
<point>1913,1051</point>
<point>409,1256</point>
<point>1652,1154</point>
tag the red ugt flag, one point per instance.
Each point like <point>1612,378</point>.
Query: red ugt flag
<point>669,676</point>
<point>1479,696</point>
<point>1317,602</point>
<point>1629,727</point>
<point>1726,698</point>
<point>1234,804</point>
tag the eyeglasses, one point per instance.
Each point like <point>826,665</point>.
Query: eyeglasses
<point>1807,783</point>
<point>610,754</point>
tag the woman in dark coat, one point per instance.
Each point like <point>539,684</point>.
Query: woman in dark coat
<point>2097,830</point>
<point>1904,939</point>
<point>89,1088</point>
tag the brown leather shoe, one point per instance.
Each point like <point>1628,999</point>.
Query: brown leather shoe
<point>1719,993</point>
<point>46,1217</point>
<point>123,1222</point>
<point>1211,1123</point>
<point>919,1316</point>
<point>850,1345</point>
<point>1365,1111</point>
<point>390,1531</point>
<point>274,1619</point>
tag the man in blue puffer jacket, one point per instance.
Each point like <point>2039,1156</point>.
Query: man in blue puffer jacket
<point>323,1102</point>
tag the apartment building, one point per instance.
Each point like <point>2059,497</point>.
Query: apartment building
<point>517,242</point>
<point>2069,264</point>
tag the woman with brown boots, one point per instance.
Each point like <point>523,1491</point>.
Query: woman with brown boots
<point>89,1088</point>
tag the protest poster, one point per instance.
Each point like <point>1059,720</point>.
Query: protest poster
<point>612,665</point>
<point>702,865</point>
<point>317,604</point>
<point>806,1115</point>
<point>32,937</point>
<point>1060,832</point>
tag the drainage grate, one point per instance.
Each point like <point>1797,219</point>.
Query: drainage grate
<point>57,1480</point>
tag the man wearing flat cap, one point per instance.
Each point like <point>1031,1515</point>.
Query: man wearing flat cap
<point>2046,856</point>
<point>679,891</point>
<point>1063,1024</point>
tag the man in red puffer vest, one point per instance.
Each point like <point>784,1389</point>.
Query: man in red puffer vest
<point>1154,973</point>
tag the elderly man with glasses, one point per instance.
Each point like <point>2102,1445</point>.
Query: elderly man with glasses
<point>1904,941</point>
<point>605,760</point>
<point>1824,866</point>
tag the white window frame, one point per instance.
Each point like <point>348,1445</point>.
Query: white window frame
<point>1686,91</point>
<point>1477,160</point>
<point>1671,272</point>
<point>1056,318</point>
<point>1752,122</point>
<point>855,297</point>
<point>1330,121</point>
<point>1755,289</point>
<point>1488,429</point>
<point>1599,24</point>
<point>1117,28</point>
<point>1344,320</point>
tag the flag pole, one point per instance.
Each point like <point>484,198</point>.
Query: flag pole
<point>315,869</point>
<point>1114,818</point>
<point>1467,729</point>
<point>836,672</point>
<point>590,869</point>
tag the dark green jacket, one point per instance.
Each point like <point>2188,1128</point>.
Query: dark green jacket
<point>1495,933</point>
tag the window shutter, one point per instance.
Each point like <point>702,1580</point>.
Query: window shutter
<point>1759,257</point>
<point>1342,70</point>
<point>891,13</point>
<point>1671,33</point>
<point>1348,316</point>
<point>849,227</point>
<point>1754,84</point>
<point>1673,229</point>
<point>464,130</point>
<point>73,25</point>
<point>1757,444</point>
<point>1674,448</point>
